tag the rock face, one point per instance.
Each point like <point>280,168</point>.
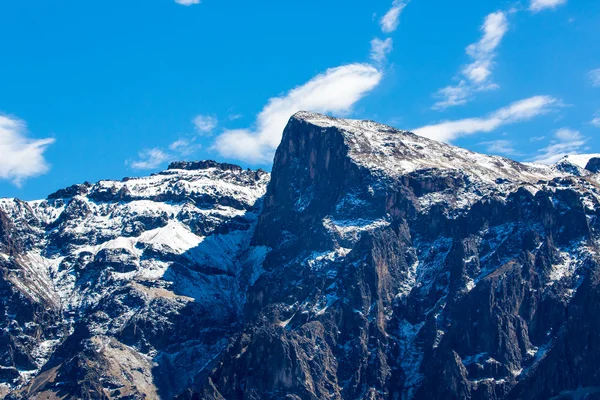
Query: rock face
<point>375,264</point>
<point>593,165</point>
<point>125,289</point>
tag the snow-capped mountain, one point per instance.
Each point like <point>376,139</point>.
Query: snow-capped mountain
<point>371,264</point>
<point>134,284</point>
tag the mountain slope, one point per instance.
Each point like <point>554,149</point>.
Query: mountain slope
<point>405,268</point>
<point>126,289</point>
<point>371,264</point>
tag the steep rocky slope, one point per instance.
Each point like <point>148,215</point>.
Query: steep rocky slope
<point>371,264</point>
<point>404,268</point>
<point>125,289</point>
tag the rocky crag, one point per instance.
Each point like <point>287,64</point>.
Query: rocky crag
<point>370,264</point>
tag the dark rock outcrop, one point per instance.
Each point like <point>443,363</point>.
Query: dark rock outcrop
<point>593,165</point>
<point>206,164</point>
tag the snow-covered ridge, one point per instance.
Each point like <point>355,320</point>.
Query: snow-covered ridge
<point>176,234</point>
<point>95,216</point>
<point>581,160</point>
<point>397,152</point>
<point>451,176</point>
<point>177,185</point>
<point>158,268</point>
<point>171,212</point>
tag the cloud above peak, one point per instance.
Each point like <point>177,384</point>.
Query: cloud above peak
<point>150,159</point>
<point>380,49</point>
<point>539,5</point>
<point>518,111</point>
<point>566,141</point>
<point>494,28</point>
<point>476,75</point>
<point>205,124</point>
<point>336,90</point>
<point>390,21</point>
<point>22,157</point>
<point>187,2</point>
<point>157,157</point>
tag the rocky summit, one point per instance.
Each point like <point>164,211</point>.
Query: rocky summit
<point>370,264</point>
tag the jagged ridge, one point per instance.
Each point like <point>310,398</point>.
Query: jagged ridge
<point>127,288</point>
<point>371,264</point>
<point>406,268</point>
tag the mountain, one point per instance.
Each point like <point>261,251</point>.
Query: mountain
<point>126,289</point>
<point>370,264</point>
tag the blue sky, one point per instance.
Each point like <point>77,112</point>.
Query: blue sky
<point>99,90</point>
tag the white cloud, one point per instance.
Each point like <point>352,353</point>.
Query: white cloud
<point>494,28</point>
<point>596,122</point>
<point>476,75</point>
<point>205,123</point>
<point>380,49</point>
<point>156,157</point>
<point>184,147</point>
<point>390,21</point>
<point>21,157</point>
<point>500,147</point>
<point>568,141</point>
<point>334,91</point>
<point>178,144</point>
<point>568,135</point>
<point>539,5</point>
<point>595,77</point>
<point>453,95</point>
<point>187,2</point>
<point>151,159</point>
<point>516,112</point>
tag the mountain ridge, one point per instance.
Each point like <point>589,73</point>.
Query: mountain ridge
<point>371,263</point>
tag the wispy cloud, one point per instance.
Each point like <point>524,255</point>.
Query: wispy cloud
<point>539,5</point>
<point>21,157</point>
<point>595,122</point>
<point>150,159</point>
<point>595,77</point>
<point>187,2</point>
<point>502,146</point>
<point>205,124</point>
<point>522,110</point>
<point>156,157</point>
<point>335,91</point>
<point>475,77</point>
<point>178,150</point>
<point>390,21</point>
<point>566,141</point>
<point>184,147</point>
<point>483,52</point>
<point>451,96</point>
<point>380,49</point>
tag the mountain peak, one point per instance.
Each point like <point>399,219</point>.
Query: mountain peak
<point>580,160</point>
<point>367,249</point>
<point>399,152</point>
<point>355,126</point>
